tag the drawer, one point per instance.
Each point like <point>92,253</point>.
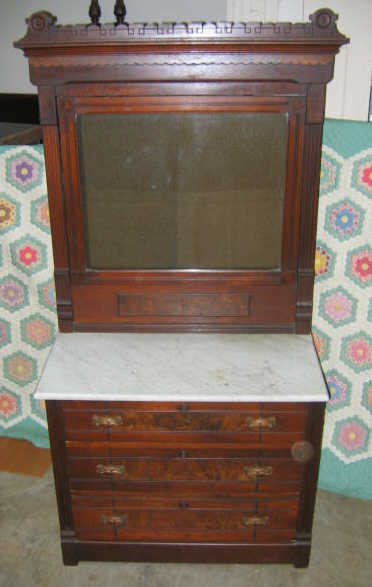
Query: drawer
<point>203,474</point>
<point>111,518</point>
<point>270,424</point>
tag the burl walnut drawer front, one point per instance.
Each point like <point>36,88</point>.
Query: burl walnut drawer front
<point>110,519</point>
<point>252,474</point>
<point>271,424</point>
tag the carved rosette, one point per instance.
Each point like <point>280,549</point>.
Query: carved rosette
<point>41,21</point>
<point>324,19</point>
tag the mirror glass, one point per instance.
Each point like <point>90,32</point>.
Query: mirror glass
<point>183,190</point>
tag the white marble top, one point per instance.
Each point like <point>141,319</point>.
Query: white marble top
<point>183,367</point>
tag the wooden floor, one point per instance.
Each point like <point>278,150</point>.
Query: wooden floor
<point>20,456</point>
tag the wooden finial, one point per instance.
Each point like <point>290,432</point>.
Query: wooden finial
<point>120,12</point>
<point>95,12</point>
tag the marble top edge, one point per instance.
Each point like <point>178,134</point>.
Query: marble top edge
<point>324,397</point>
<point>183,367</point>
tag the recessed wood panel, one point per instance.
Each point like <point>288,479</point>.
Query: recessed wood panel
<point>193,303</point>
<point>184,305</point>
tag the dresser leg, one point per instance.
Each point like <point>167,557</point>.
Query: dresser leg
<point>302,555</point>
<point>69,555</point>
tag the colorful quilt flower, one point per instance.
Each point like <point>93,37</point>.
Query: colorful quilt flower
<point>342,315</point>
<point>27,327</point>
<point>359,266</point>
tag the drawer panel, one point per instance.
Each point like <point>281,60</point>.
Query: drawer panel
<point>260,425</point>
<point>255,473</point>
<point>228,521</point>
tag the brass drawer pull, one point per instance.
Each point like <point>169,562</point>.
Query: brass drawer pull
<point>255,521</point>
<point>253,424</point>
<point>254,471</point>
<point>106,420</point>
<point>111,470</point>
<point>114,520</point>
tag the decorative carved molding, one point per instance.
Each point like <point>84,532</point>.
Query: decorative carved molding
<point>87,61</point>
<point>43,32</point>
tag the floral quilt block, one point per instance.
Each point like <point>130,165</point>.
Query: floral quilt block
<point>343,305</point>
<point>28,322</point>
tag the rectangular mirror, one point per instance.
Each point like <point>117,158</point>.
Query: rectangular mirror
<point>183,190</point>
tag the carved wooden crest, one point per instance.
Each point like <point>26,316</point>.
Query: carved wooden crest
<point>43,31</point>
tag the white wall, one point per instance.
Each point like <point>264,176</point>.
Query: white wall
<point>266,10</point>
<point>348,93</point>
<point>13,65</point>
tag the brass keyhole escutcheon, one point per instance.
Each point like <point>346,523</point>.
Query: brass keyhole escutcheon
<point>184,408</point>
<point>183,505</point>
<point>114,520</point>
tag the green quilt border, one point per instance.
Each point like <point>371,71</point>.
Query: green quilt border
<point>353,479</point>
<point>347,137</point>
<point>28,429</point>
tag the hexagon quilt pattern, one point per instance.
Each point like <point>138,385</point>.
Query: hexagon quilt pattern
<point>27,298</point>
<point>343,298</point>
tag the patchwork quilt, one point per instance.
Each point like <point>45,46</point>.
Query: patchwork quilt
<point>342,324</point>
<point>28,321</point>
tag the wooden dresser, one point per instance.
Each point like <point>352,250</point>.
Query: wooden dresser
<point>183,164</point>
<point>228,478</point>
